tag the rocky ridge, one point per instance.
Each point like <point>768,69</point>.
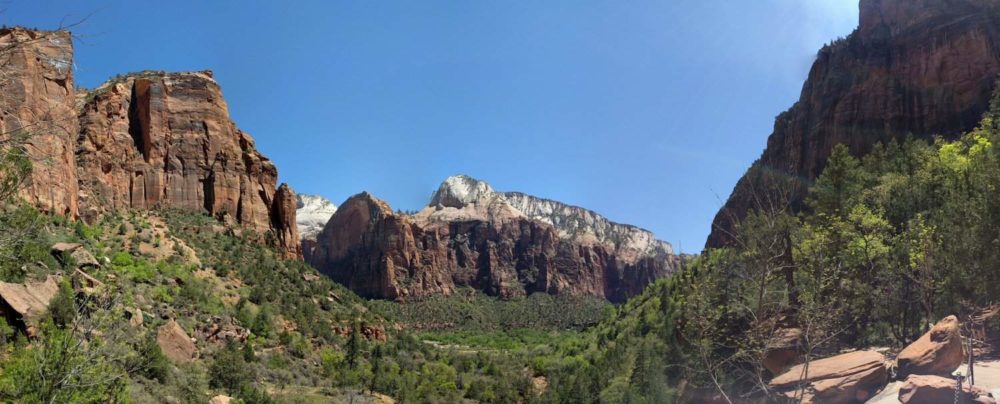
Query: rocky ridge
<point>913,67</point>
<point>467,194</point>
<point>472,236</point>
<point>141,141</point>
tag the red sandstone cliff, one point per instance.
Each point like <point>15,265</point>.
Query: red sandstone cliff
<point>143,141</point>
<point>36,83</point>
<point>920,67</point>
<point>381,254</point>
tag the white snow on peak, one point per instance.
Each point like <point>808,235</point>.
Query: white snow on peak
<point>461,190</point>
<point>311,214</point>
<point>461,197</point>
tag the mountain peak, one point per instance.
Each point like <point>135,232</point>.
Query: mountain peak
<point>461,190</point>
<point>311,213</point>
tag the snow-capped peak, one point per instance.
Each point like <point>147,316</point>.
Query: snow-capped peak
<point>461,197</point>
<point>461,190</point>
<point>311,214</point>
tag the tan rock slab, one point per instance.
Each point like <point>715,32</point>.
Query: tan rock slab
<point>854,376</point>
<point>937,352</point>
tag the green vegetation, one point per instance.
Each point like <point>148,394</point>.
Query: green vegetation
<point>887,244</point>
<point>471,310</point>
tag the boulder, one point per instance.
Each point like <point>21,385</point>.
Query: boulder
<point>24,304</point>
<point>80,255</point>
<point>783,350</point>
<point>175,343</point>
<point>848,377</point>
<point>938,352</point>
<point>929,389</point>
<point>134,316</point>
<point>220,399</point>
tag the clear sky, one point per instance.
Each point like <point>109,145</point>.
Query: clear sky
<point>645,111</point>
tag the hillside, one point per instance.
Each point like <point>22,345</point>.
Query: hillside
<point>891,243</point>
<point>918,68</point>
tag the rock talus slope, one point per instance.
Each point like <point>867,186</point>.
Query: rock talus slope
<point>913,67</point>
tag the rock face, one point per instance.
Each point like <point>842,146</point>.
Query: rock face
<point>143,141</point>
<point>920,67</point>
<point>846,378</point>
<point>472,236</point>
<point>36,80</point>
<point>938,352</point>
<point>283,222</point>
<point>165,140</point>
<point>923,389</point>
<point>311,214</point>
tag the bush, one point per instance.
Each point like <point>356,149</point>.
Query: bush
<point>229,370</point>
<point>62,309</point>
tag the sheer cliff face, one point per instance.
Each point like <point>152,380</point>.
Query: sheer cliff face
<point>472,236</point>
<point>165,140</point>
<point>920,67</point>
<point>36,83</point>
<point>151,140</point>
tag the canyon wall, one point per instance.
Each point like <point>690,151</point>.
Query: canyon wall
<point>149,140</point>
<point>912,68</point>
<point>472,236</point>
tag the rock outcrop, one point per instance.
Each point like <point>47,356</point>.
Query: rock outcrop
<point>36,80</point>
<point>913,67</point>
<point>283,222</point>
<point>142,141</point>
<point>937,352</point>
<point>471,236</point>
<point>846,378</point>
<point>923,389</point>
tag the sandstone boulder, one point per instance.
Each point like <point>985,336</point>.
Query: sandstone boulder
<point>24,304</point>
<point>80,256</point>
<point>928,389</point>
<point>175,343</point>
<point>938,352</point>
<point>783,350</point>
<point>220,399</point>
<point>850,377</point>
<point>134,316</point>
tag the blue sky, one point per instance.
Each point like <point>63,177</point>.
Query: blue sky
<point>645,111</point>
